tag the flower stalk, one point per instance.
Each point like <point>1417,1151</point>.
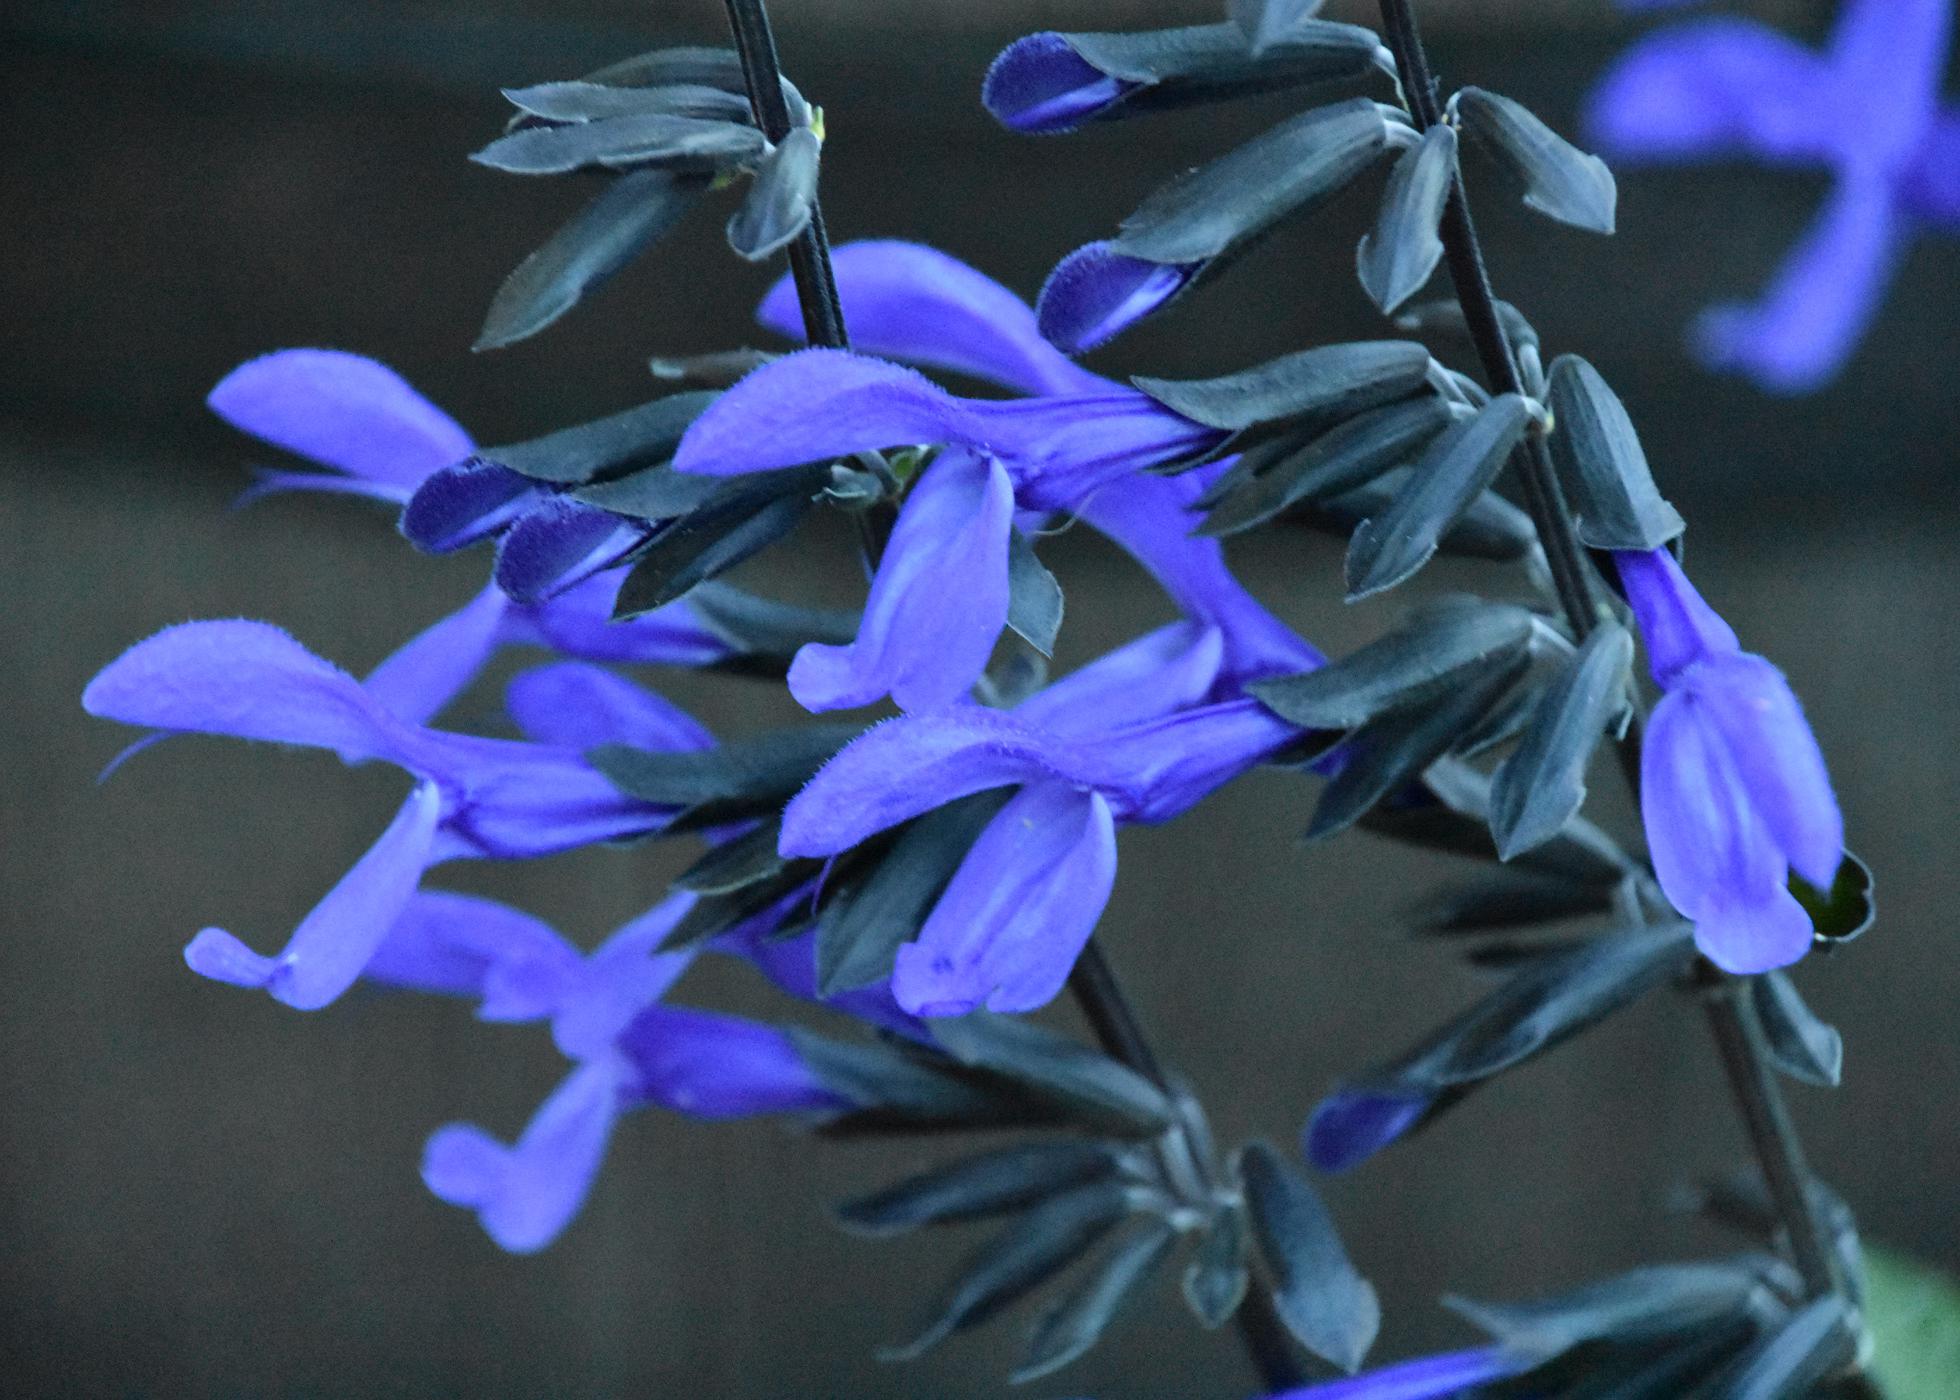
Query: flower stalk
<point>1752,1082</point>
<point>1092,982</point>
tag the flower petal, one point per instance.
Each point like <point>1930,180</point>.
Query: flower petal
<point>249,680</point>
<point>818,404</point>
<point>459,505</point>
<point>1752,707</point>
<point>1158,674</point>
<point>937,603</point>
<point>1887,58</point>
<point>574,705</point>
<point>622,978</point>
<point>1152,517</point>
<point>1711,88</point>
<point>1039,85</point>
<point>514,800</point>
<point>906,766</point>
<point>418,679</point>
<point>559,543</point>
<point>1427,1378</point>
<point>1171,764</point>
<point>1096,293</point>
<point>343,411</point>
<point>713,1066</point>
<point>332,945</point>
<point>578,623</point>
<point>905,301</point>
<point>1807,324</point>
<point>1017,911</point>
<point>526,1194</point>
<point>1062,450</point>
<point>1676,623</point>
<point>1716,860</point>
<point>464,945</point>
<point>269,482</point>
<point>1354,1123</point>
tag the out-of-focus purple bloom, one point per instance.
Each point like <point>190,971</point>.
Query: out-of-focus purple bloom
<point>628,1049</point>
<point>359,419</point>
<point>1040,85</point>
<point>915,304</point>
<point>1734,791</point>
<point>473,798</point>
<point>1355,1122</point>
<point>1110,744</point>
<point>1448,1374</point>
<point>1096,293</point>
<point>1866,109</point>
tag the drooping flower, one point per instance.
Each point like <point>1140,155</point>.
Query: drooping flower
<point>628,1050</point>
<point>915,304</point>
<point>1866,110</point>
<point>473,797</point>
<point>926,646</point>
<point>380,439</point>
<point>1734,790</point>
<point>1121,741</point>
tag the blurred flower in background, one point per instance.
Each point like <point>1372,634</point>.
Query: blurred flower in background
<point>1865,108</point>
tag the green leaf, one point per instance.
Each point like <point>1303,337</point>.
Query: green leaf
<point>1913,1313</point>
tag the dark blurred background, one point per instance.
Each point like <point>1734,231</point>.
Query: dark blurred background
<point>202,1193</point>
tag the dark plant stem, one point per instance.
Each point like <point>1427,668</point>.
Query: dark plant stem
<point>1737,1036</point>
<point>1114,1023</point>
<point>809,254</point>
<point>1093,983</point>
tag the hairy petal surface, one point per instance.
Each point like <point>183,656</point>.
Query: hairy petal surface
<point>1017,911</point>
<point>938,601</point>
<point>343,411</point>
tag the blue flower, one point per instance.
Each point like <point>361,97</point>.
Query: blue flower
<point>1734,791</point>
<point>380,439</point>
<point>940,597</point>
<point>473,797</point>
<point>1866,110</point>
<point>1447,1374</point>
<point>1123,740</point>
<point>628,1049</point>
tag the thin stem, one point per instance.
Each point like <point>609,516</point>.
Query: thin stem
<point>809,254</point>
<point>1740,1039</point>
<point>1737,1036</point>
<point>1114,1022</point>
<point>1092,982</point>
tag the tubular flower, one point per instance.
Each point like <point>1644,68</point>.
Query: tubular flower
<point>380,439</point>
<point>912,303</point>
<point>1120,741</point>
<point>1866,110</point>
<point>1438,1377</point>
<point>628,1050</point>
<point>473,797</point>
<point>1734,791</point>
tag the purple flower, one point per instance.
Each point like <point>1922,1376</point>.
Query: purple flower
<point>1451,1373</point>
<point>915,304</point>
<point>419,679</point>
<point>940,598</point>
<point>473,797</point>
<point>628,1050</point>
<point>359,419</point>
<point>1096,293</point>
<point>1734,789</point>
<point>1040,85</point>
<point>1120,741</point>
<point>1866,110</point>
